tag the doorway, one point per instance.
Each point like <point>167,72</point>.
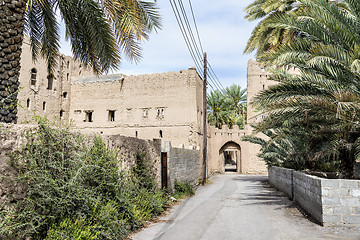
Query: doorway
<point>230,157</point>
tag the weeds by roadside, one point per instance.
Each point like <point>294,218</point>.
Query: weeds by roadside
<point>75,190</point>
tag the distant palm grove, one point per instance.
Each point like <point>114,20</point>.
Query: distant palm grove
<point>312,118</point>
<point>227,107</point>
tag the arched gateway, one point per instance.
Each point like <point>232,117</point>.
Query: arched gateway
<point>227,152</point>
<point>230,157</point>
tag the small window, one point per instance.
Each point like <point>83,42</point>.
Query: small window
<point>64,94</point>
<point>136,134</point>
<point>50,79</point>
<point>111,116</point>
<point>68,64</point>
<point>263,86</point>
<point>28,103</point>
<point>61,113</point>
<point>88,116</point>
<point>160,134</point>
<point>145,113</point>
<point>67,77</point>
<point>33,77</point>
<point>44,105</point>
<point>160,113</point>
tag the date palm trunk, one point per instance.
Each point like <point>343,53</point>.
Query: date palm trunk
<point>11,36</point>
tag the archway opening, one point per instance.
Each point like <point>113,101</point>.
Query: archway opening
<point>230,157</point>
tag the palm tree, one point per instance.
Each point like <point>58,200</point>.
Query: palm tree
<point>98,32</point>
<point>326,93</point>
<point>267,37</point>
<point>264,37</point>
<point>218,111</point>
<point>236,99</point>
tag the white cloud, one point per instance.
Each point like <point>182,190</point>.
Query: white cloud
<point>224,34</point>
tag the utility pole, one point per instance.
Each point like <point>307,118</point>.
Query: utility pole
<point>204,120</point>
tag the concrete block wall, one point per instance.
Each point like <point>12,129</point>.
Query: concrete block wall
<point>281,178</point>
<point>183,165</point>
<point>307,192</point>
<point>340,201</point>
<point>332,202</point>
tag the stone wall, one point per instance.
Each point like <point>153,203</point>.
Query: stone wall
<point>183,165</point>
<point>282,178</point>
<point>128,148</point>
<point>332,202</point>
<point>11,139</point>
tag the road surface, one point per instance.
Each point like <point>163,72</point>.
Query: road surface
<point>239,207</point>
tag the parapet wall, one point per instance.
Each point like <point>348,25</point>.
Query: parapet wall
<point>332,202</point>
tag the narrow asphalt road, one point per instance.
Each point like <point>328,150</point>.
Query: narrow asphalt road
<point>239,207</point>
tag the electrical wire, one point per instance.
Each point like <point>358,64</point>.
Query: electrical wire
<point>192,45</point>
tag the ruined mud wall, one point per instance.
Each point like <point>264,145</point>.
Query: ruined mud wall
<point>11,139</point>
<point>128,148</point>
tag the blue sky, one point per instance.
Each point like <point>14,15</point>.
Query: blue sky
<point>223,31</point>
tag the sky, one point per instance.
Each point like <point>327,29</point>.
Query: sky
<point>223,32</point>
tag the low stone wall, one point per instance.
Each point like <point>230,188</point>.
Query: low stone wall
<point>183,165</point>
<point>340,201</point>
<point>307,192</point>
<point>332,202</point>
<point>281,178</point>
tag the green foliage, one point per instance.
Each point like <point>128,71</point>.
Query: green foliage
<point>75,189</point>
<point>227,108</point>
<point>323,98</point>
<point>183,189</point>
<point>97,30</point>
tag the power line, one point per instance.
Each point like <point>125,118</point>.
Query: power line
<point>191,43</point>
<point>183,32</point>
<point>197,32</point>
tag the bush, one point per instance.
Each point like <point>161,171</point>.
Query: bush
<point>183,189</point>
<point>75,189</point>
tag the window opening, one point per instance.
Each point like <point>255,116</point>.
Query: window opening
<point>88,116</point>
<point>64,94</point>
<point>136,134</point>
<point>28,103</point>
<point>111,116</point>
<point>33,76</point>
<point>44,105</point>
<point>50,79</point>
<point>145,113</point>
<point>161,134</point>
<point>61,113</point>
<point>263,86</point>
<point>67,77</point>
<point>160,113</point>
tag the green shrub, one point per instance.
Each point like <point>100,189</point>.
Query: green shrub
<point>183,189</point>
<point>75,189</point>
